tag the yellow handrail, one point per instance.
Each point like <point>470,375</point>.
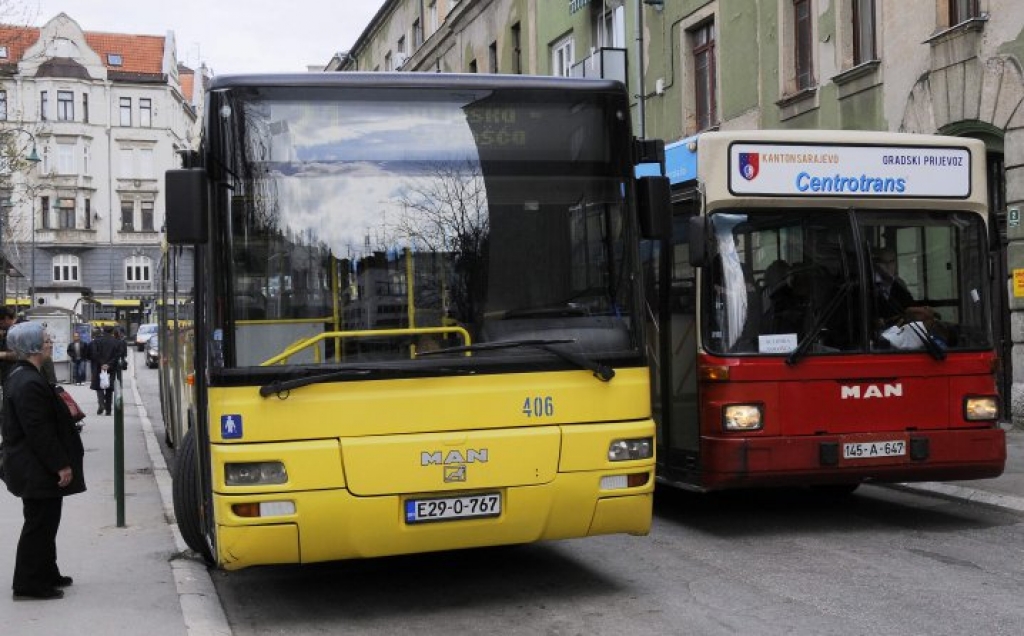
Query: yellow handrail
<point>366,333</point>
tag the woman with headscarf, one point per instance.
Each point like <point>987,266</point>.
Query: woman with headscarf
<point>42,460</point>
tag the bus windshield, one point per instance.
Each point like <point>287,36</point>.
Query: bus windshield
<point>826,282</point>
<point>369,225</point>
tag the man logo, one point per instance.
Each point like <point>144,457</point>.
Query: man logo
<point>437,458</point>
<point>871,391</point>
<point>750,165</point>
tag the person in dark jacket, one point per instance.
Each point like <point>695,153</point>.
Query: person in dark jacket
<point>105,355</point>
<point>43,456</point>
<point>76,353</point>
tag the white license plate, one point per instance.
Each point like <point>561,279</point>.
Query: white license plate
<point>867,450</point>
<point>461,507</point>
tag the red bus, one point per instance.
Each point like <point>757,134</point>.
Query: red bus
<point>824,312</point>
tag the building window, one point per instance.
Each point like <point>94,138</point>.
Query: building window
<point>417,35</point>
<point>66,159</point>
<point>88,214</point>
<point>126,111</point>
<point>137,270</point>
<point>66,213</point>
<point>85,107</point>
<point>388,64</point>
<point>517,49</point>
<point>85,159</point>
<point>863,31</point>
<point>147,216</point>
<point>65,268</point>
<point>145,112</point>
<point>962,11</point>
<point>44,105</point>
<point>803,43</point>
<point>115,59</point>
<point>65,106</point>
<point>472,66</point>
<point>401,45</point>
<point>3,52</point>
<point>562,57</point>
<point>432,18</point>
<point>127,216</point>
<point>611,28</point>
<point>3,105</point>
<point>704,89</point>
<point>492,57</point>
<point>44,212</point>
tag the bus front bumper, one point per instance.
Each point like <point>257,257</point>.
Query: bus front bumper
<point>334,524</point>
<point>796,461</point>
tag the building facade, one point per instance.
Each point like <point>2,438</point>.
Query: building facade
<point>927,66</point>
<point>89,122</point>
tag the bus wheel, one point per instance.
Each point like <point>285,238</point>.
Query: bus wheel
<point>188,502</point>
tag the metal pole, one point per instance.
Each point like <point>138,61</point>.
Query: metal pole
<point>118,448</point>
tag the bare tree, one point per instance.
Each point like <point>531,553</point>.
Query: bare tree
<point>447,214</point>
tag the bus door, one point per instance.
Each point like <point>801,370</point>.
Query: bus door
<point>676,411</point>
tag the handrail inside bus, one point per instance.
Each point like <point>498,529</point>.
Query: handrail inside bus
<point>365,333</point>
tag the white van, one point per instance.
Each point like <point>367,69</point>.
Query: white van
<point>142,336</point>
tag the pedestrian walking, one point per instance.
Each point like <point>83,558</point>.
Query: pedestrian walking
<point>43,456</point>
<point>105,358</point>
<point>77,355</point>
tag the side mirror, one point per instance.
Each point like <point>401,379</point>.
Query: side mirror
<point>654,207</point>
<point>188,204</point>
<point>697,235</point>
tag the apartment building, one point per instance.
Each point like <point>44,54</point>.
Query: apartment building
<point>952,67</point>
<point>89,123</point>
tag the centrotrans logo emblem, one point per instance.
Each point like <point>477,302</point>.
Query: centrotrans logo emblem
<point>750,165</point>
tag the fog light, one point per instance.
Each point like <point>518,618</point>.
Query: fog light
<point>980,408</point>
<point>255,473</point>
<point>622,450</point>
<point>618,482</point>
<point>264,509</point>
<point>742,417</point>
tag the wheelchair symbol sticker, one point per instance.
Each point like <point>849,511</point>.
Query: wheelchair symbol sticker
<point>231,426</point>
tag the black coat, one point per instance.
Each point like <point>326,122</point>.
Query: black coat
<point>39,437</point>
<point>105,350</point>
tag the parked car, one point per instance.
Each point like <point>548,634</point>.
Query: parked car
<point>153,352</point>
<point>146,330</point>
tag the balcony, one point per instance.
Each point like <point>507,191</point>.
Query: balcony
<point>604,63</point>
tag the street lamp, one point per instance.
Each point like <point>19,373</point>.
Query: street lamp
<point>32,158</point>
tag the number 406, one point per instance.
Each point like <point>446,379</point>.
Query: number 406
<point>539,406</point>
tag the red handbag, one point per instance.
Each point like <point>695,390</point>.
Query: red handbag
<point>70,405</point>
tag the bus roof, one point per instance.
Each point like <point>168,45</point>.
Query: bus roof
<point>413,80</point>
<point>837,168</point>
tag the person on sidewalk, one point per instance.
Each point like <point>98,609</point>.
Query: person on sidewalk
<point>76,353</point>
<point>43,457</point>
<point>105,355</point>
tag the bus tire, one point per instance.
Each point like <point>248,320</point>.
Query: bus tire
<point>188,501</point>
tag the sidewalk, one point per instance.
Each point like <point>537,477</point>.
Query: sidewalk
<point>1005,491</point>
<point>128,580</point>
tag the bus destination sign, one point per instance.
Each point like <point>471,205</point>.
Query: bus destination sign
<point>845,171</point>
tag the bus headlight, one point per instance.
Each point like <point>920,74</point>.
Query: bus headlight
<point>980,408</point>
<point>622,450</point>
<point>255,473</point>
<point>742,417</point>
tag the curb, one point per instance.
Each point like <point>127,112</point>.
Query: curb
<point>200,605</point>
<point>961,493</point>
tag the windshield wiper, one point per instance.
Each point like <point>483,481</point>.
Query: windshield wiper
<point>283,386</point>
<point>819,324</point>
<point>601,372</point>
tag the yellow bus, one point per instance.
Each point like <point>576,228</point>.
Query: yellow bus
<point>417,319</point>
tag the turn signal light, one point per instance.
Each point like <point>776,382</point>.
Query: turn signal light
<point>264,509</point>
